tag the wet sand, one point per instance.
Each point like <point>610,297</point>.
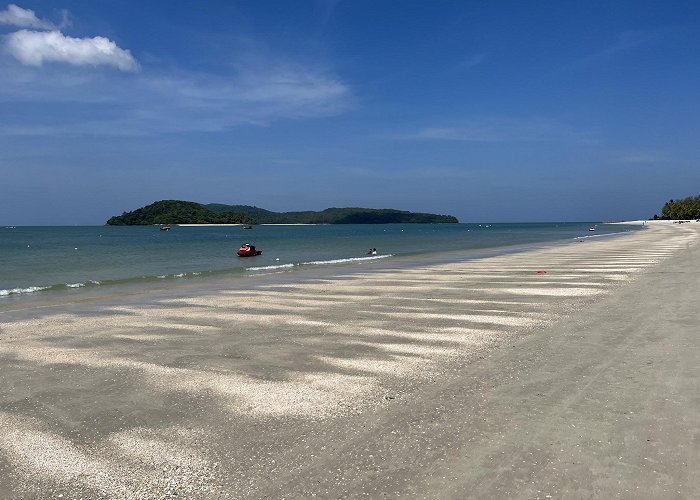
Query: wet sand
<point>481,379</point>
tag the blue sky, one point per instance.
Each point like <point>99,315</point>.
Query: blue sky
<point>490,111</point>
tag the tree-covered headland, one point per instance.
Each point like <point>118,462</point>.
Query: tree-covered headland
<point>188,212</point>
<point>177,212</point>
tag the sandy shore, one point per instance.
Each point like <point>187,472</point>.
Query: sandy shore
<point>481,379</point>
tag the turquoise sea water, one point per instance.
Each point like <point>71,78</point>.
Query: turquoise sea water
<point>34,260</point>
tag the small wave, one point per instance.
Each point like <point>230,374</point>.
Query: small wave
<point>61,286</point>
<point>343,261</point>
<point>81,285</point>
<point>178,276</point>
<point>318,263</point>
<point>19,291</point>
<point>174,276</point>
<point>599,235</point>
<point>267,268</point>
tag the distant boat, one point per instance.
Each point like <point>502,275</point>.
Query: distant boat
<point>247,227</point>
<point>165,228</point>
<point>591,229</point>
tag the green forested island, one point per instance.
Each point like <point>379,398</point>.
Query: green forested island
<point>686,208</point>
<point>188,212</point>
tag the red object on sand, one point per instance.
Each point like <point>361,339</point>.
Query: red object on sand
<point>541,272</point>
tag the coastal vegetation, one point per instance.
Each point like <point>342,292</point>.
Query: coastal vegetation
<point>177,212</point>
<point>187,212</point>
<point>686,208</point>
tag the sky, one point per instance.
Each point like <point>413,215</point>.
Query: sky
<point>498,111</point>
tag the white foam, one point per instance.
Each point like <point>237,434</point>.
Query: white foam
<point>266,268</point>
<point>318,263</point>
<point>599,235</point>
<point>17,291</point>
<point>343,261</point>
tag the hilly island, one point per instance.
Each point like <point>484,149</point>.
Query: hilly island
<point>188,212</point>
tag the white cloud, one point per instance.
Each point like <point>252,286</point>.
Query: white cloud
<point>146,104</point>
<point>641,158</point>
<point>294,89</point>
<point>33,48</point>
<point>257,88</point>
<point>471,61</point>
<point>251,96</point>
<point>23,18</point>
<point>499,130</point>
<point>626,42</point>
<point>326,9</point>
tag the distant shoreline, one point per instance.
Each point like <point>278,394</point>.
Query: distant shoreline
<point>643,222</point>
<point>637,222</point>
<point>233,225</point>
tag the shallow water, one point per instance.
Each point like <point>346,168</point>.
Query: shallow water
<point>40,259</point>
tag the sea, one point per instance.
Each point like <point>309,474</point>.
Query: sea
<point>52,261</point>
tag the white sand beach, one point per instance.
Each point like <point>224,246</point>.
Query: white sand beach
<point>569,371</point>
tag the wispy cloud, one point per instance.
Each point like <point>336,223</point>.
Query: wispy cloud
<point>326,9</point>
<point>498,130</point>
<point>432,171</point>
<point>24,18</point>
<point>258,87</point>
<point>149,103</point>
<point>33,48</point>
<point>640,158</point>
<point>253,96</point>
<point>293,90</point>
<point>624,42</point>
<point>471,61</point>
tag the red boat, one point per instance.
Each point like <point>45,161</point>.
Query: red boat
<point>248,250</point>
